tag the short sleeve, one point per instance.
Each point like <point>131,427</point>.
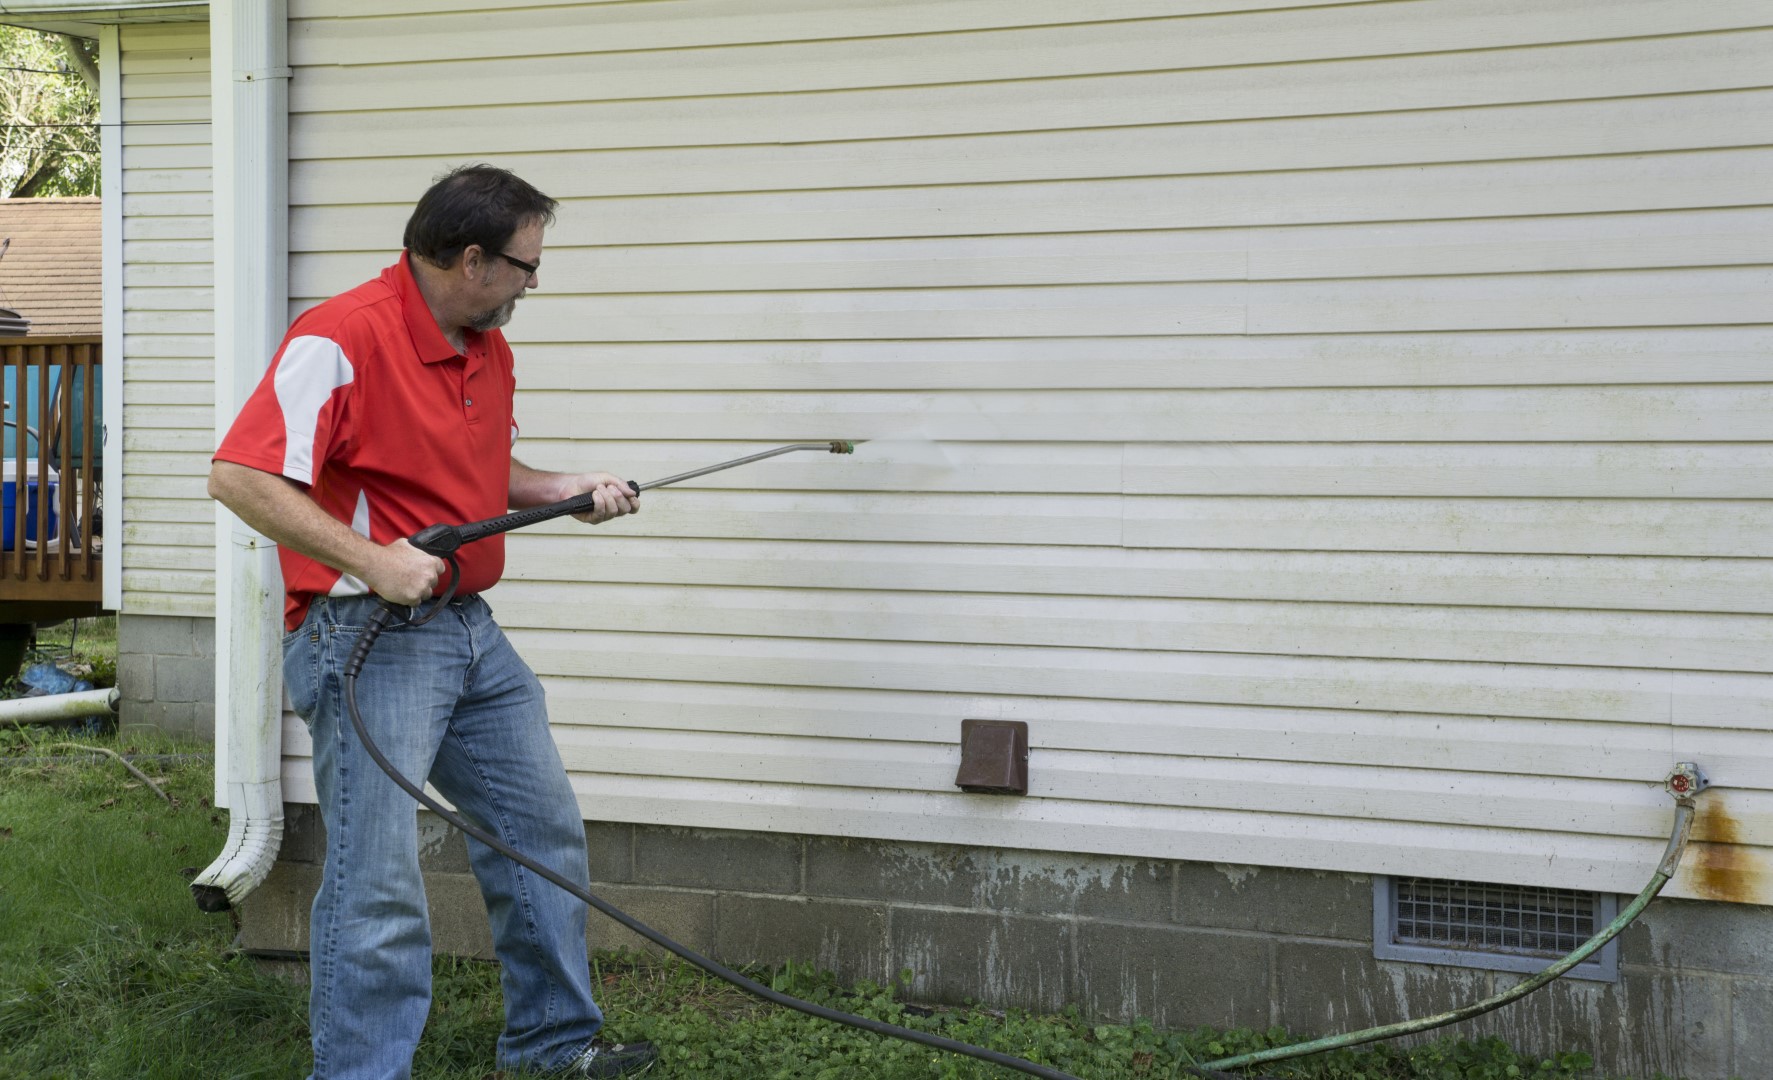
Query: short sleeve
<point>292,420</point>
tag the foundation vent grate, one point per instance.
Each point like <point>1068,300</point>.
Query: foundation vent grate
<point>1498,927</point>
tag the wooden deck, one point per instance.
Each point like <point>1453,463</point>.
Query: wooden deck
<point>54,442</point>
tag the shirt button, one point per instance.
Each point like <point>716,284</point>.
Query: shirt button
<point>468,402</point>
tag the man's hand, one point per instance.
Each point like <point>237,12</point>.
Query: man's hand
<point>282,510</point>
<point>405,575</point>
<point>611,496</point>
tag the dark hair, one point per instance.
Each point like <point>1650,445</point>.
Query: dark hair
<point>473,204</point>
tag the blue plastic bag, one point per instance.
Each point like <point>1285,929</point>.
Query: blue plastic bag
<point>45,678</point>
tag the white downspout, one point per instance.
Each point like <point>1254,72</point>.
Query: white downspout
<point>249,100</point>
<point>111,303</point>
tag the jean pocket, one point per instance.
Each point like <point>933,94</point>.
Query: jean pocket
<point>301,668</point>
<point>290,637</point>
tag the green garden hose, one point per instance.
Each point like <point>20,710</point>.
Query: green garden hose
<point>1684,785</point>
<point>443,541</point>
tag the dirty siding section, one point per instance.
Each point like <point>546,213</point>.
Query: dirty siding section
<point>1348,424</point>
<point>168,522</point>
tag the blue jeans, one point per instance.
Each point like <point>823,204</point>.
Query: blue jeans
<point>450,701</point>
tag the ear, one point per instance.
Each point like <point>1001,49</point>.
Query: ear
<point>473,262</point>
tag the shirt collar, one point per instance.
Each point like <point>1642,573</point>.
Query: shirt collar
<point>427,339</point>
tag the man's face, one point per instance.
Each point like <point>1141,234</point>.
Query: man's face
<point>506,284</point>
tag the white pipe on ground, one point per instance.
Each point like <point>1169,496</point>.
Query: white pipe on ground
<point>50,707</point>
<point>249,99</point>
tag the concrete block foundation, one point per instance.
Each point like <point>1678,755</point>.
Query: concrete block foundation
<point>1181,944</point>
<point>166,674</point>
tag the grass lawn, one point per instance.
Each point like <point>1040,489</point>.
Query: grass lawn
<point>93,636</point>
<point>109,972</point>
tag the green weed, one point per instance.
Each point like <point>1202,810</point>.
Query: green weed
<point>109,972</point>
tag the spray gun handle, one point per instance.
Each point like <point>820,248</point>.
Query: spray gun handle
<point>444,540</point>
<point>438,540</point>
<point>418,615</point>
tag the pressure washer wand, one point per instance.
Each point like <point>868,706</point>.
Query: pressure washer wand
<point>443,540</point>
<point>838,447</point>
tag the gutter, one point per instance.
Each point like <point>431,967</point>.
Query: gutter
<point>48,8</point>
<point>89,18</point>
<point>249,99</point>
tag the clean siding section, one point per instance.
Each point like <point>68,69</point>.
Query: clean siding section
<point>168,521</point>
<point>1340,431</point>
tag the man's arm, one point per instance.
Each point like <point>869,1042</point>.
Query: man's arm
<point>282,510</point>
<point>533,487</point>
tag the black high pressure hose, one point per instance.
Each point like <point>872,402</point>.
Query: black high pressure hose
<point>443,541</point>
<point>381,620</point>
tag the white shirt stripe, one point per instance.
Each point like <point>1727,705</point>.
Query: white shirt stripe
<point>310,369</point>
<point>347,585</point>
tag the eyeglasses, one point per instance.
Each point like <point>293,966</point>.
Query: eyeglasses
<point>529,269</point>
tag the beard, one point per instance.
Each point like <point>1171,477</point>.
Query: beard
<point>495,318</point>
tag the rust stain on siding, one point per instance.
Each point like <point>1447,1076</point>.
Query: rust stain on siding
<point>1718,865</point>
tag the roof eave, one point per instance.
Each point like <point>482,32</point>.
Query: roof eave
<point>82,18</point>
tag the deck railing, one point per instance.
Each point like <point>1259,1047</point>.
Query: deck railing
<point>53,468</point>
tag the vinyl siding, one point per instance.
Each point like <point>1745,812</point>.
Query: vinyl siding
<point>168,322</point>
<point>1346,423</point>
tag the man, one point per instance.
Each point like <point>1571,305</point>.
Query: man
<point>389,408</point>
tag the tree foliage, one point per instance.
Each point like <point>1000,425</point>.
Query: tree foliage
<point>49,136</point>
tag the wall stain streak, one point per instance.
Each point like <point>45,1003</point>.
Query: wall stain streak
<point>1718,865</point>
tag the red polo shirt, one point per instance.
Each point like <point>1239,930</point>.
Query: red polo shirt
<point>370,408</point>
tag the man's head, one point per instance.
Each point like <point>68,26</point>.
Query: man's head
<point>476,238</point>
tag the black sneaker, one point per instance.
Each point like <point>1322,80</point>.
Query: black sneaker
<point>613,1059</point>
